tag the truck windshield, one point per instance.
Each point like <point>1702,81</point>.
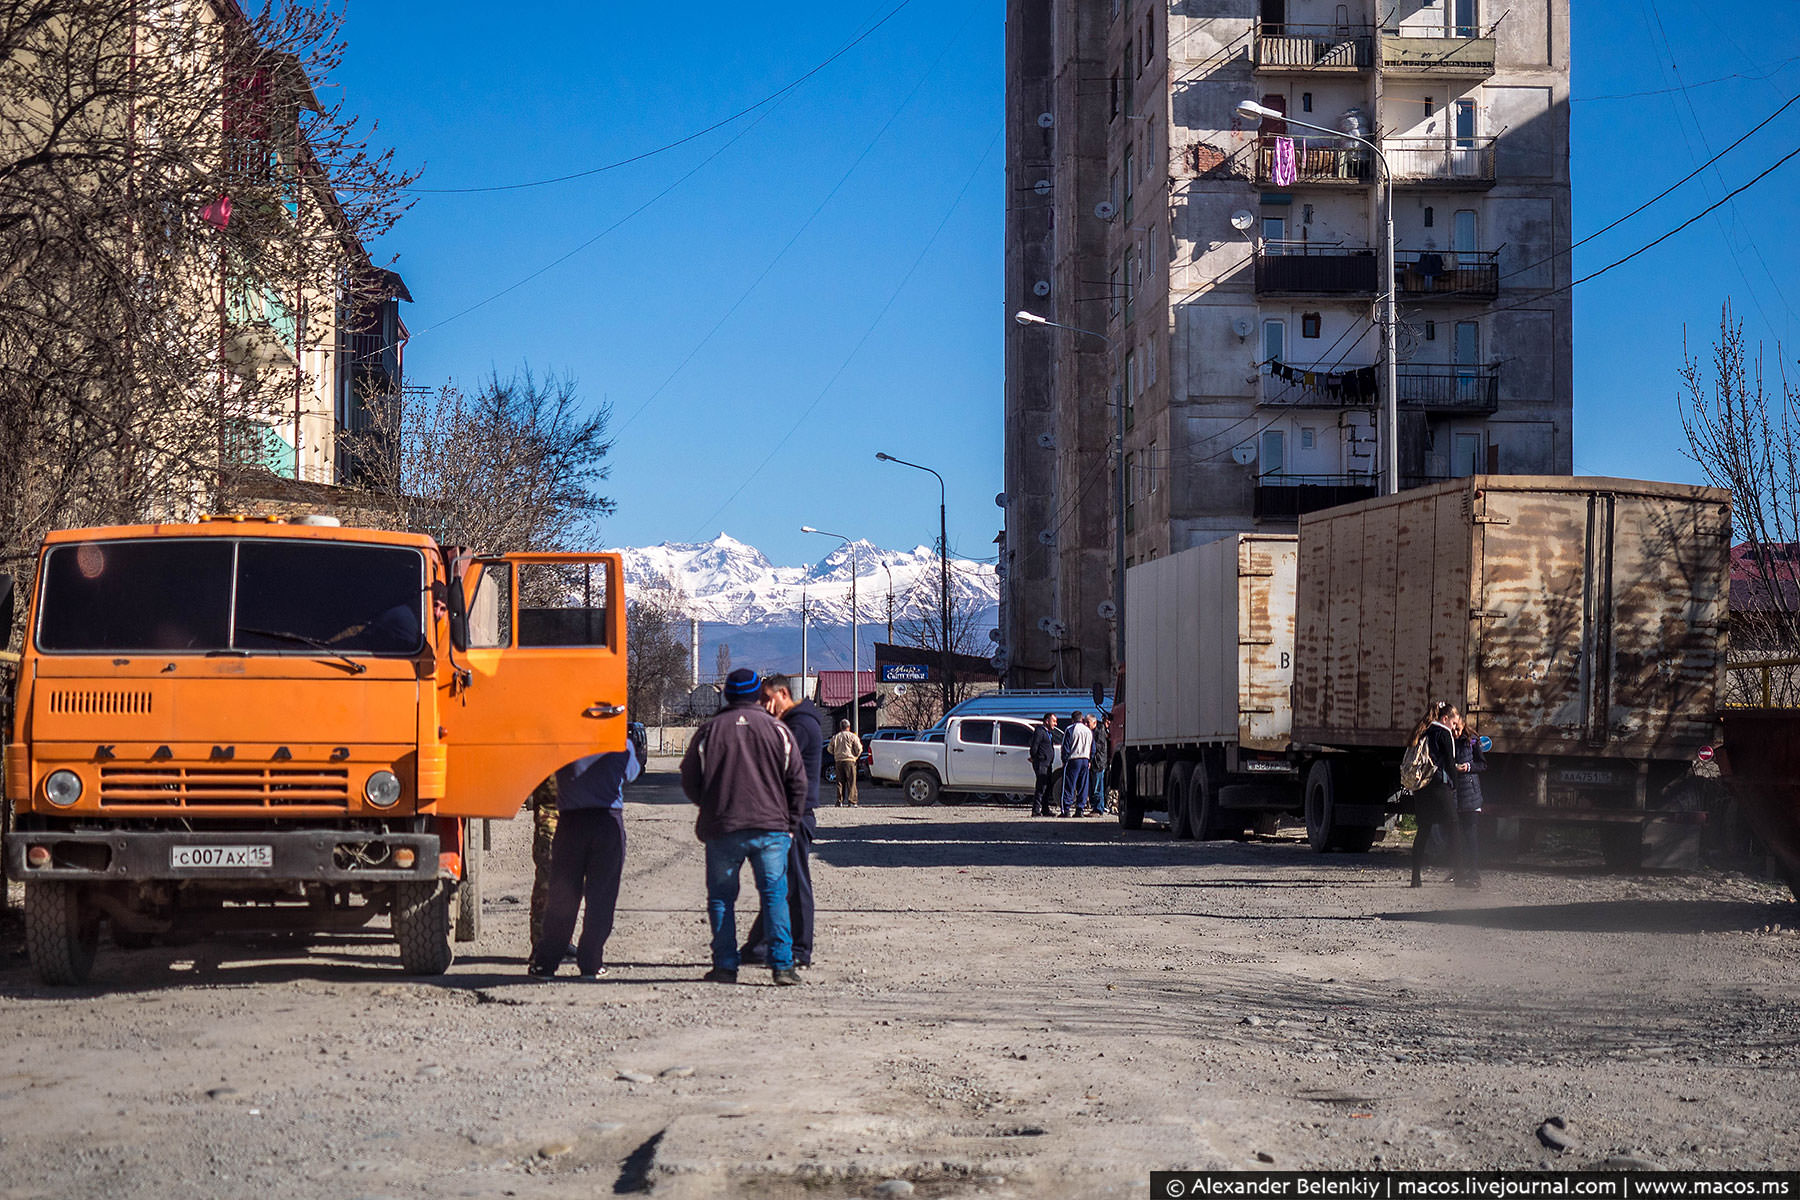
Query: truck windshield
<point>218,595</point>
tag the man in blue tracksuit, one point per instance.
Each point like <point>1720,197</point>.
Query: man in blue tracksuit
<point>587,859</point>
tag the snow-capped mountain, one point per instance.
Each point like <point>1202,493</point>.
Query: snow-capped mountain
<point>726,581</point>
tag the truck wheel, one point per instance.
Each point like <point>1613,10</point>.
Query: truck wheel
<point>1175,793</point>
<point>1622,846</point>
<point>468,892</point>
<point>1321,801</point>
<point>1131,805</point>
<point>62,931</point>
<point>1355,840</point>
<point>920,786</point>
<point>422,927</point>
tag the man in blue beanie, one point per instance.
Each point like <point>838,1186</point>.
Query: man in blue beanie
<point>744,770</point>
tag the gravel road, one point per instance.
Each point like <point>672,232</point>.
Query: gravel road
<point>1001,1006</point>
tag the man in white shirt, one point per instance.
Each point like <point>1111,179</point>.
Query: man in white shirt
<point>1076,750</point>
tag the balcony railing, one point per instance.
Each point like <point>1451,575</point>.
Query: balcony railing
<point>1460,162</point>
<point>1287,497</point>
<point>1298,268</point>
<point>1445,54</point>
<point>1321,159</point>
<point>1282,48</point>
<point>1448,388</point>
<point>1448,274</point>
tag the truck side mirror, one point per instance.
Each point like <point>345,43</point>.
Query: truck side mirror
<point>6,608</point>
<point>459,615</point>
<point>1099,696</point>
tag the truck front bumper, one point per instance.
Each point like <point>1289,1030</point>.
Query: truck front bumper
<point>303,855</point>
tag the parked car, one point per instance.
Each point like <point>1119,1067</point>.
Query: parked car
<point>640,738</point>
<point>973,755</point>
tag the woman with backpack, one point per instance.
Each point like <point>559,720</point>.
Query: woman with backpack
<point>1471,763</point>
<point>1435,803</point>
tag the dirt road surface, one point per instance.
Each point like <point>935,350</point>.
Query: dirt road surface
<point>1001,1006</point>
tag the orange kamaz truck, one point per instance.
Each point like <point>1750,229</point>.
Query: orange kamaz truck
<point>262,724</point>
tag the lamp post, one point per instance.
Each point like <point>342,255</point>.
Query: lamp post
<point>1025,318</point>
<point>1250,110</point>
<point>943,570</point>
<point>855,632</point>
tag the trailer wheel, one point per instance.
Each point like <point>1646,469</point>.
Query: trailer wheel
<point>1321,805</point>
<point>920,785</point>
<point>468,893</point>
<point>1175,794</point>
<point>62,931</point>
<point>422,927</point>
<point>1203,805</point>
<point>1131,805</point>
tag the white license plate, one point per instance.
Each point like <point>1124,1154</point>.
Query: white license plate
<point>226,857</point>
<point>1592,778</point>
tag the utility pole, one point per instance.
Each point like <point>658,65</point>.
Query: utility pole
<point>805,623</point>
<point>888,567</point>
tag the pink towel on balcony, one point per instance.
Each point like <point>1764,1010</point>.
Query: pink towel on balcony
<point>1286,172</point>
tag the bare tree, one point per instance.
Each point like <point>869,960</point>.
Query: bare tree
<point>656,650</point>
<point>178,208</point>
<point>1745,436</point>
<point>926,631</point>
<point>514,466</point>
<point>723,661</point>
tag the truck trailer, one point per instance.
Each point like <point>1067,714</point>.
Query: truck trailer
<point>1578,623</point>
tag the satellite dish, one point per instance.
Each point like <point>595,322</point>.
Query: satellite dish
<point>1107,610</point>
<point>1043,187</point>
<point>1047,440</point>
<point>999,499</point>
<point>1106,210</point>
<point>1046,120</point>
<point>899,689</point>
<point>1041,288</point>
<point>1242,220</point>
<point>1241,327</point>
<point>1243,455</point>
<point>1047,536</point>
<point>1044,624</point>
<point>1057,629</point>
<point>993,635</point>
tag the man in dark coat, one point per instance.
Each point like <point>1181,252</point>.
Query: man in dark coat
<point>743,770</point>
<point>1044,741</point>
<point>806,723</point>
<point>587,861</point>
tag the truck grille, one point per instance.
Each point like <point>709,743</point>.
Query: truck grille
<point>100,701</point>
<point>222,787</point>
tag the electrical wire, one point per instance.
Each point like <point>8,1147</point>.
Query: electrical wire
<point>778,94</point>
<point>807,412</point>
<point>804,226</point>
<point>1773,71</point>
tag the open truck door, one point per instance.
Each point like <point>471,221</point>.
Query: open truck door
<point>540,681</point>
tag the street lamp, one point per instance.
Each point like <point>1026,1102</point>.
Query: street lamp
<point>1250,110</point>
<point>1027,318</point>
<point>855,632</point>
<point>943,570</point>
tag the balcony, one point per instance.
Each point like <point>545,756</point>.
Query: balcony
<point>1437,162</point>
<point>1288,497</point>
<point>1471,275</point>
<point>1303,269</point>
<point>1317,160</point>
<point>1288,49</point>
<point>1444,55</point>
<point>1449,389</point>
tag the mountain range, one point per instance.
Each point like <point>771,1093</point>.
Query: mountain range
<point>754,606</point>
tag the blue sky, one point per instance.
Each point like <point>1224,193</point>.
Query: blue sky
<point>870,200</point>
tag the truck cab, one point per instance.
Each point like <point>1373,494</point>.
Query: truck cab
<point>251,723</point>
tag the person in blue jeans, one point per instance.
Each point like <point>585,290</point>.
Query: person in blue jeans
<point>1076,750</point>
<point>744,771</point>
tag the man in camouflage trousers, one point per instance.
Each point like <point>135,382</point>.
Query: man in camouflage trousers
<point>543,833</point>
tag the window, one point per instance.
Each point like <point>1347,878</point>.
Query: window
<point>1305,101</point>
<point>1130,174</point>
<point>1114,93</point>
<point>1012,733</point>
<point>1465,123</point>
<point>1274,341</point>
<point>1152,470</point>
<point>1125,100</point>
<point>1131,379</point>
<point>1468,343</point>
<point>1429,216</point>
<point>1308,438</point>
<point>1465,233</point>
<point>1112,292</point>
<point>1273,456</point>
<point>1131,277</point>
<point>1465,455</point>
<point>1431,331</point>
<point>1430,108</point>
<point>490,608</point>
<point>1112,191</point>
<point>1274,232</point>
<point>1149,36</point>
<point>1466,19</point>
<point>1150,360</point>
<point>1309,325</point>
<point>562,604</point>
<point>976,733</point>
<point>1130,493</point>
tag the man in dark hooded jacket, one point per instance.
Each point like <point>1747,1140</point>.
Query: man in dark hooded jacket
<point>807,725</point>
<point>743,770</point>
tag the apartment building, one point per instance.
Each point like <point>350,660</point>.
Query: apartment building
<point>1230,272</point>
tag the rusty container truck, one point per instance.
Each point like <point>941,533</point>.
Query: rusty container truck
<point>1209,652</point>
<point>1580,623</point>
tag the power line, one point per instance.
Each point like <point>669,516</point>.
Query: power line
<point>681,141</point>
<point>1773,71</point>
<point>804,226</point>
<point>870,332</point>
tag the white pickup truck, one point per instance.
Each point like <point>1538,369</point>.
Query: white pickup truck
<point>976,754</point>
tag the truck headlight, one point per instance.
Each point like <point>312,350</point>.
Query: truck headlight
<point>383,789</point>
<point>62,788</point>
